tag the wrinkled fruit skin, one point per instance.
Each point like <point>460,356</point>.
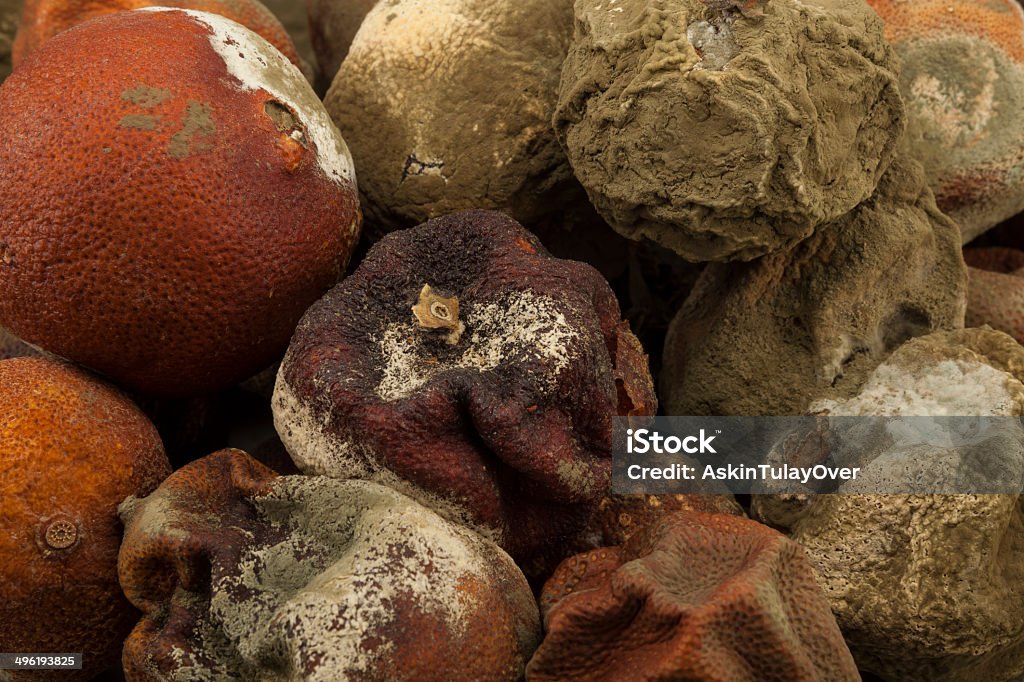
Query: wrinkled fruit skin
<point>995,292</point>
<point>925,587</point>
<point>71,449</point>
<point>201,200</point>
<point>495,66</point>
<point>241,573</point>
<point>727,130</point>
<point>43,19</point>
<point>509,428</point>
<point>962,75</point>
<point>703,597</point>
<point>771,336</point>
<point>332,26</point>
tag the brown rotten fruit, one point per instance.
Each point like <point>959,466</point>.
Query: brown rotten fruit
<point>693,596</point>
<point>243,574</point>
<point>465,366</point>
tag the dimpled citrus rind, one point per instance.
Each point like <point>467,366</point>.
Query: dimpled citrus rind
<point>71,449</point>
<point>200,201</point>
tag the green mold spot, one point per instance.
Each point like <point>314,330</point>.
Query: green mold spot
<point>140,122</point>
<point>145,96</point>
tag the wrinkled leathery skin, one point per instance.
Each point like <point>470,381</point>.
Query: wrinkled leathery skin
<point>726,130</point>
<point>243,573</point>
<point>201,200</point>
<point>694,596</point>
<point>508,426</point>
<point>995,289</point>
<point>771,336</point>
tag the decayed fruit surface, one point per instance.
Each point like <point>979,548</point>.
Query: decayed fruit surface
<point>43,19</point>
<point>693,596</point>
<point>200,201</point>
<point>770,336</point>
<point>244,574</point>
<point>463,365</point>
<point>962,76</point>
<point>995,291</point>
<point>493,70</point>
<point>71,449</point>
<point>332,26</point>
<point>726,130</point>
<point>927,587</point>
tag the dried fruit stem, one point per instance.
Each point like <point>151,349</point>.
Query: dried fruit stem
<point>434,312</point>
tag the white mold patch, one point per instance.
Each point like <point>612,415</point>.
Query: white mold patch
<point>258,65</point>
<point>521,327</point>
<point>303,432</point>
<point>948,388</point>
<point>330,591</point>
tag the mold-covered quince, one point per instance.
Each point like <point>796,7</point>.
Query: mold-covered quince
<point>463,365</point>
<point>727,129</point>
<point>243,574</point>
<point>693,596</point>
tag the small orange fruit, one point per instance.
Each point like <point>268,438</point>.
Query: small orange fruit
<point>43,19</point>
<point>173,196</point>
<point>71,450</point>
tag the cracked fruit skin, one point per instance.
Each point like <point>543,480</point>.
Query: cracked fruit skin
<point>201,200</point>
<point>693,596</point>
<point>43,19</point>
<point>502,419</point>
<point>71,449</point>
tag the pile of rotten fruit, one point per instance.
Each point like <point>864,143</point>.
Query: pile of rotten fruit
<point>261,421</point>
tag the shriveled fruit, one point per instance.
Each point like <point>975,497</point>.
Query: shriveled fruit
<point>43,19</point>
<point>200,202</point>
<point>465,366</point>
<point>71,449</point>
<point>310,578</point>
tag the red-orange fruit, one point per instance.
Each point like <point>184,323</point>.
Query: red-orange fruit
<point>43,19</point>
<point>173,196</point>
<point>995,289</point>
<point>697,597</point>
<point>71,449</point>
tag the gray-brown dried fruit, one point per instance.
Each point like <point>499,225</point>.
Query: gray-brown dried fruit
<point>447,107</point>
<point>926,587</point>
<point>771,336</point>
<point>728,130</point>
